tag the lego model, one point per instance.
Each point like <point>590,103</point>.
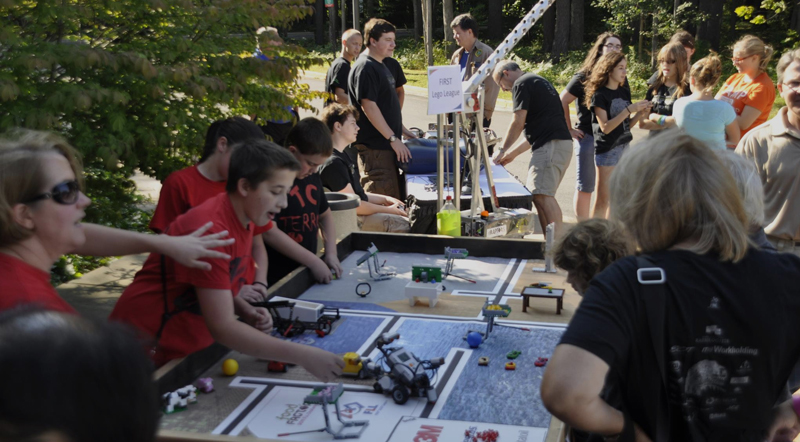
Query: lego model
<point>511,366</point>
<point>513,354</point>
<point>490,312</point>
<point>371,257</point>
<point>179,399</point>
<point>205,385</point>
<point>363,289</point>
<point>431,291</point>
<point>287,325</point>
<point>483,360</point>
<point>426,274</point>
<point>325,395</point>
<point>451,255</point>
<point>540,362</point>
<point>362,368</point>
<point>406,375</point>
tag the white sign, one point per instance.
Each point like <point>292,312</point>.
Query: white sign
<point>444,89</point>
<point>434,430</point>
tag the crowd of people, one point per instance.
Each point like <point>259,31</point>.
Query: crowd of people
<point>685,328</point>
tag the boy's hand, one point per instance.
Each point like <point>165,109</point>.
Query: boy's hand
<point>397,209</point>
<point>324,365</point>
<point>321,271</point>
<point>253,293</point>
<point>260,319</point>
<point>332,261</point>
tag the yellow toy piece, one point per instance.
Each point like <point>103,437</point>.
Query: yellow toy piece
<point>352,363</point>
<point>230,367</point>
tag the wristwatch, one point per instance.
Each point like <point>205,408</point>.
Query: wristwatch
<point>392,139</point>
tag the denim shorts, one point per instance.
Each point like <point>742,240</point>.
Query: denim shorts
<point>584,150</point>
<point>610,158</point>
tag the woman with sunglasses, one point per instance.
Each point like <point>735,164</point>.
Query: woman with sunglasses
<point>750,91</point>
<point>670,85</point>
<point>582,133</point>
<point>41,207</point>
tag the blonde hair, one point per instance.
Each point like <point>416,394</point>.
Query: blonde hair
<point>706,71</point>
<point>22,175</point>
<point>677,52</point>
<point>787,59</point>
<point>591,246</point>
<point>673,189</point>
<point>749,183</point>
<point>752,45</point>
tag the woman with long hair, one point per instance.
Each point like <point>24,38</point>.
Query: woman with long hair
<point>582,133</point>
<point>613,113</point>
<point>699,114</point>
<point>750,91</point>
<point>670,85</point>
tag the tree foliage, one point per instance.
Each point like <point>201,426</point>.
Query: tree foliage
<point>135,83</point>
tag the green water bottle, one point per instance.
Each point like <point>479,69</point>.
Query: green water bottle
<point>448,220</point>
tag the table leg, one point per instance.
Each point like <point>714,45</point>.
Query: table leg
<point>560,305</point>
<point>525,300</point>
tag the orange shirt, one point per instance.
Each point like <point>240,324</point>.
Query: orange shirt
<point>759,93</point>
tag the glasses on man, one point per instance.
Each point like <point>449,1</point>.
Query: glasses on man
<point>63,193</point>
<point>794,86</point>
<point>612,46</point>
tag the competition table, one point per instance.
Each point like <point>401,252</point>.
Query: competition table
<point>510,193</point>
<point>257,405</point>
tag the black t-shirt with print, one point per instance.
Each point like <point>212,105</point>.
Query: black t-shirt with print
<point>370,79</point>
<point>337,77</point>
<point>730,341</point>
<point>545,118</point>
<point>396,70</point>
<point>300,220</point>
<point>664,98</point>
<point>338,171</point>
<point>614,102</point>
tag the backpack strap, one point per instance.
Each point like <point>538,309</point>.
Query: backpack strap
<point>652,280</point>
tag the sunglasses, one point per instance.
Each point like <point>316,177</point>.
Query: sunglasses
<point>64,193</point>
<point>612,46</point>
<point>739,60</point>
<point>666,61</point>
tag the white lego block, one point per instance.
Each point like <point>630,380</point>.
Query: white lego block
<point>303,310</point>
<point>428,290</point>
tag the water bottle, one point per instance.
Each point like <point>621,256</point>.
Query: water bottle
<point>448,220</point>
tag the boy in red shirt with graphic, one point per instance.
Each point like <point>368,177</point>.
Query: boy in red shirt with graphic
<point>186,310</point>
<point>294,242</point>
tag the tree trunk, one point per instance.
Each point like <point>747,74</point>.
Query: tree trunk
<point>561,40</point>
<point>332,27</point>
<point>356,12</point>
<point>319,22</point>
<point>654,45</point>
<point>447,9</point>
<point>418,33</point>
<point>496,19</point>
<point>640,54</point>
<point>344,15</point>
<point>795,23</point>
<point>369,9</point>
<point>427,14</point>
<point>710,29</point>
<point>576,25</point>
<point>548,30</point>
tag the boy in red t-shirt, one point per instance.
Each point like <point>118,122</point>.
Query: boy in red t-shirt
<point>201,306</point>
<point>190,187</point>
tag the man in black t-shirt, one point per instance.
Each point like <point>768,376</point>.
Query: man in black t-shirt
<point>537,110</point>
<point>336,78</point>
<point>371,87</point>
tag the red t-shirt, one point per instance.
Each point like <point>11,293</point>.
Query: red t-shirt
<point>183,190</point>
<point>759,93</point>
<point>142,303</point>
<point>22,284</point>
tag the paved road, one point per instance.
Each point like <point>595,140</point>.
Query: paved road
<point>415,111</point>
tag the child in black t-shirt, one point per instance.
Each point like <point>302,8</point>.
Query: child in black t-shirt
<point>613,114</point>
<point>294,242</point>
<point>671,83</point>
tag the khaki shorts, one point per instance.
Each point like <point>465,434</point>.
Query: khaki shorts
<point>547,167</point>
<point>379,172</point>
<point>384,222</point>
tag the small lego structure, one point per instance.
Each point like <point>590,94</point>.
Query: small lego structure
<point>325,395</point>
<point>511,366</point>
<point>205,385</point>
<point>451,255</point>
<point>490,312</point>
<point>483,360</point>
<point>513,354</point>
<point>371,257</point>
<point>311,316</point>
<point>426,274</point>
<point>179,399</point>
<point>431,291</point>
<point>540,362</point>
<point>362,368</point>
<point>276,367</point>
<point>230,367</point>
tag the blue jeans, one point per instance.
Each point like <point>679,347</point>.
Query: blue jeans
<point>610,158</point>
<point>584,150</point>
